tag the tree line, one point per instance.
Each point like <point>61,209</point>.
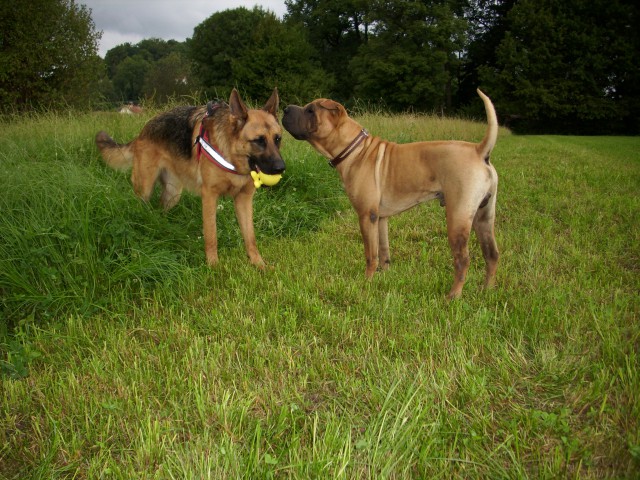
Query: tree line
<point>551,66</point>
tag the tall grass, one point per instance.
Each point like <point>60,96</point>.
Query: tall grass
<point>123,356</point>
<point>73,234</point>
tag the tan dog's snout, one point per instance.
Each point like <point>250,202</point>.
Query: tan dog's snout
<point>293,122</point>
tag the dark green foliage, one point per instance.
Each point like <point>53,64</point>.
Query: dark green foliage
<point>336,29</point>
<point>487,25</point>
<point>218,40</point>
<point>572,70</point>
<point>254,51</point>
<point>411,60</point>
<point>563,67</point>
<point>129,78</point>
<point>48,55</point>
<point>152,69</point>
<point>170,76</point>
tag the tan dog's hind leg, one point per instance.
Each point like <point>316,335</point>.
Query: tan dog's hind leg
<point>243,203</point>
<point>209,207</point>
<point>458,230</point>
<point>383,240</point>
<point>483,226</point>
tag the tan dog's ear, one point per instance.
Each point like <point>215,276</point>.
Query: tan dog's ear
<point>272,104</point>
<point>331,105</point>
<point>238,108</point>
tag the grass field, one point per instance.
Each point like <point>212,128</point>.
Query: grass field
<point>123,356</point>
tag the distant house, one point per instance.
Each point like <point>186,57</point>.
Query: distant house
<point>130,109</point>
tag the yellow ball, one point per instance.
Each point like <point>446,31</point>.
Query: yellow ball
<point>260,178</point>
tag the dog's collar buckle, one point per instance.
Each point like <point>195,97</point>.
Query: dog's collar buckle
<point>350,148</point>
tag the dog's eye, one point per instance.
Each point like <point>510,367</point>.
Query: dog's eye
<point>277,139</point>
<point>261,141</point>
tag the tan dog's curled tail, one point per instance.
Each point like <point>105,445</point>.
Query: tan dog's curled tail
<point>118,157</point>
<point>490,137</point>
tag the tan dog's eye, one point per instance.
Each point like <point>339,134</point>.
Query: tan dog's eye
<point>277,139</point>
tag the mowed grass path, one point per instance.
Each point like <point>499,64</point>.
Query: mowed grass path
<point>123,356</point>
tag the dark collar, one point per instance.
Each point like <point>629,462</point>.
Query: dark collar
<point>350,148</point>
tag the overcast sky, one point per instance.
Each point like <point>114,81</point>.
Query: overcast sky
<point>133,20</point>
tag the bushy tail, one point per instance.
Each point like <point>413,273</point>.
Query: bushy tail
<point>119,157</point>
<point>489,141</point>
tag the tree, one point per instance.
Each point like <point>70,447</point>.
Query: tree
<point>152,68</point>
<point>217,41</point>
<point>129,78</point>
<point>48,54</point>
<point>254,51</point>
<point>336,29</point>
<point>411,60</point>
<point>487,26</point>
<point>168,77</point>
<point>574,69</point>
<point>117,55</point>
<point>280,57</point>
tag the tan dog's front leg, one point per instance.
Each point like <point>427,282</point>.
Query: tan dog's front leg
<point>383,241</point>
<point>370,233</point>
<point>209,207</point>
<point>243,203</point>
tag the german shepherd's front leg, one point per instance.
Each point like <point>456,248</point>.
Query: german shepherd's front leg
<point>243,203</point>
<point>209,207</point>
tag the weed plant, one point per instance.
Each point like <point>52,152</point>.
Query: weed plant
<point>123,356</point>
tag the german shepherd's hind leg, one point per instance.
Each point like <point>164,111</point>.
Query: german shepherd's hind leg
<point>171,190</point>
<point>146,169</point>
<point>483,225</point>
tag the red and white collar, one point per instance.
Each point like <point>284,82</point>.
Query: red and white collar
<point>211,152</point>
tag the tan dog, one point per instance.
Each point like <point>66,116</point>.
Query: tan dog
<point>210,151</point>
<point>384,178</point>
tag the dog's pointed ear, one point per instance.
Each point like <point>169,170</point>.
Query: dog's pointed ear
<point>238,109</point>
<point>272,104</point>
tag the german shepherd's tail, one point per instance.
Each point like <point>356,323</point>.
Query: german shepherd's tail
<point>489,141</point>
<point>117,156</point>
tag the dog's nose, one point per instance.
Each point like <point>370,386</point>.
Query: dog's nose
<point>279,166</point>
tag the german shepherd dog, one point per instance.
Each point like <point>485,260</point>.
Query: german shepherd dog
<point>210,151</point>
